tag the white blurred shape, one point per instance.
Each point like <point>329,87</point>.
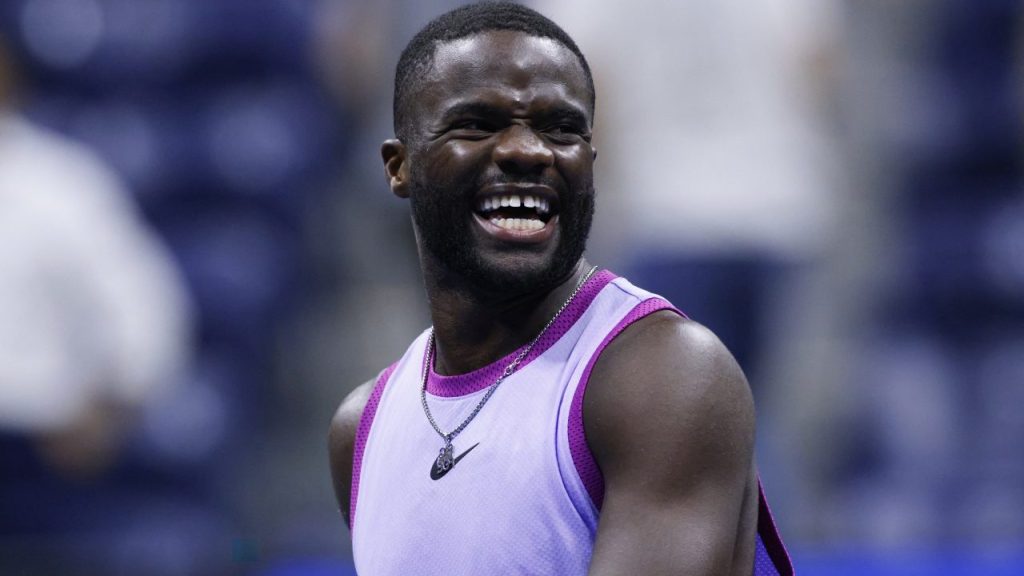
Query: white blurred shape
<point>62,33</point>
<point>91,305</point>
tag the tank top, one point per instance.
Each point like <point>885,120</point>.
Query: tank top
<point>525,493</point>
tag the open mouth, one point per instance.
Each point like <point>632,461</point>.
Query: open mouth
<point>518,212</point>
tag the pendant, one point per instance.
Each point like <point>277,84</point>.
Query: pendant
<point>445,460</point>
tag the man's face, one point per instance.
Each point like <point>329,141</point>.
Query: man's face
<point>500,161</point>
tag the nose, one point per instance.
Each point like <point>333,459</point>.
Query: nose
<point>520,150</point>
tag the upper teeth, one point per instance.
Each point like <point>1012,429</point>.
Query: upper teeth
<point>515,201</point>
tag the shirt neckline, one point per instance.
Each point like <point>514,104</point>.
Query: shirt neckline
<point>481,378</point>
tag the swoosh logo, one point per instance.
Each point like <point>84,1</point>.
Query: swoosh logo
<point>435,475</point>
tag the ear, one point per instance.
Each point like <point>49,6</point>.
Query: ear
<point>396,169</point>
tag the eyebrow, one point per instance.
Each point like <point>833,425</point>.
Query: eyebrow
<point>463,109</point>
<point>569,114</point>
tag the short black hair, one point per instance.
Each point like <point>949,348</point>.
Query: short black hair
<point>418,56</point>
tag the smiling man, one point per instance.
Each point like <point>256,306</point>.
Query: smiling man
<point>556,419</point>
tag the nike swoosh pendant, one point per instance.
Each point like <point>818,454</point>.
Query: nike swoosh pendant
<point>444,462</point>
<point>444,459</point>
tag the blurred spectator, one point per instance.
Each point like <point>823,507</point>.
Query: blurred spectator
<point>208,112</point>
<point>93,318</point>
<point>94,322</point>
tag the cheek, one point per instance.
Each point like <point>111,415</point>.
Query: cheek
<point>456,163</point>
<point>576,163</point>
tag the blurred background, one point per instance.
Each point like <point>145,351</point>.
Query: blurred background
<point>199,258</point>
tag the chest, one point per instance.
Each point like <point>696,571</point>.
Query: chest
<point>505,503</point>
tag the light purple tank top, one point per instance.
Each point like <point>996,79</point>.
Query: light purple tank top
<point>525,494</point>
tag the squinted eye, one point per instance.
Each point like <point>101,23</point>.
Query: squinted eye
<point>564,133</point>
<point>473,126</point>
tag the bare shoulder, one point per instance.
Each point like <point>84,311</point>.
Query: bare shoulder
<point>668,382</point>
<point>341,442</point>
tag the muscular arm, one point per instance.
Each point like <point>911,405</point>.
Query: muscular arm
<point>670,420</point>
<point>341,441</point>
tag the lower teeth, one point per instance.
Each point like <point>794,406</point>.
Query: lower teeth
<point>518,223</point>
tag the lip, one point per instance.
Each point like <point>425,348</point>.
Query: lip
<point>518,236</point>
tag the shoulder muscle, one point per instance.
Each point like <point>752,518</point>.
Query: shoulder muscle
<point>668,382</point>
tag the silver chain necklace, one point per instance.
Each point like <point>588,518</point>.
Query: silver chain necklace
<point>445,459</point>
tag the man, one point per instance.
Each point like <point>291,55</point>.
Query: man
<point>478,452</point>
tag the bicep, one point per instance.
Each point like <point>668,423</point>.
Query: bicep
<point>669,417</point>
<point>341,444</point>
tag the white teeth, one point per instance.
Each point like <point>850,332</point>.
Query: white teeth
<point>527,224</point>
<point>541,205</point>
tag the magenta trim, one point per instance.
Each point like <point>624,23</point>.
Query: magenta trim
<point>362,434</point>
<point>477,380</point>
<point>582,457</point>
<point>769,534</point>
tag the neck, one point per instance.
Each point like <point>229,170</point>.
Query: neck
<point>472,329</point>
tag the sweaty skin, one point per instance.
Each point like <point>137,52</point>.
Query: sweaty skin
<point>668,414</point>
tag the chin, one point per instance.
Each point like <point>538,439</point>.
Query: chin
<point>521,275</point>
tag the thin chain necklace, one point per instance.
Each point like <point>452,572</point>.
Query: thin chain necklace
<point>445,459</point>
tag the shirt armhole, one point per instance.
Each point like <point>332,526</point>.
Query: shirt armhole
<point>362,434</point>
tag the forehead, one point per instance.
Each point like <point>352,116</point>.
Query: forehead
<point>511,67</point>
